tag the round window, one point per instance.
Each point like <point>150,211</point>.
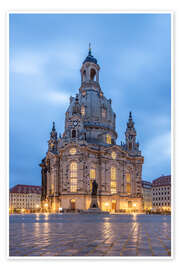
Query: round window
<point>72,151</point>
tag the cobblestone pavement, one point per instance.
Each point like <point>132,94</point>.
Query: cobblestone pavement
<point>89,235</point>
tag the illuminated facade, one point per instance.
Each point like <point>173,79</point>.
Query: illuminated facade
<point>161,193</point>
<point>24,198</point>
<point>87,150</point>
<point>147,195</point>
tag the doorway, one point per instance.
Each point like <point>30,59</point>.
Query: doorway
<point>73,204</point>
<point>113,206</point>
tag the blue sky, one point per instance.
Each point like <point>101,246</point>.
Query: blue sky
<point>46,54</point>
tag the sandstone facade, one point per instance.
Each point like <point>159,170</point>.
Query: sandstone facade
<point>87,150</point>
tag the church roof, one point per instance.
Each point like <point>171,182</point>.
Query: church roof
<point>90,58</point>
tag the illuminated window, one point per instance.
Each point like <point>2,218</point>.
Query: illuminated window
<point>92,176</point>
<point>52,188</point>
<point>113,155</point>
<point>83,110</point>
<point>128,183</point>
<point>72,151</point>
<point>73,177</point>
<point>108,139</point>
<point>113,180</point>
<point>103,113</point>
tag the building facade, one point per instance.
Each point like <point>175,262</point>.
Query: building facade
<point>147,195</point>
<point>161,193</point>
<point>24,198</point>
<point>87,150</point>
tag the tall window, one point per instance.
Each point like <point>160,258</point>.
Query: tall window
<point>108,139</point>
<point>83,110</point>
<point>92,176</point>
<point>103,113</point>
<point>113,180</point>
<point>73,177</point>
<point>93,75</point>
<point>84,75</point>
<point>128,183</point>
<point>73,133</point>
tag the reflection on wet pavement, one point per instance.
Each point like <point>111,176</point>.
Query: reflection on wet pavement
<point>89,235</point>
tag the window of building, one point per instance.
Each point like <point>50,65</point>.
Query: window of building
<point>84,75</point>
<point>73,177</point>
<point>72,151</point>
<point>93,75</point>
<point>128,183</point>
<point>103,113</point>
<point>73,133</point>
<point>129,204</point>
<point>83,110</point>
<point>113,155</point>
<point>92,177</point>
<point>130,146</point>
<point>113,180</point>
<point>108,139</point>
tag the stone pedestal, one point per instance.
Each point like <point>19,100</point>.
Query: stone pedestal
<point>94,203</point>
<point>94,208</point>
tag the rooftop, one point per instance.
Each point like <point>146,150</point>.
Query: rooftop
<point>26,189</point>
<point>162,181</point>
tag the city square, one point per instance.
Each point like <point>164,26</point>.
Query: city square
<point>90,235</point>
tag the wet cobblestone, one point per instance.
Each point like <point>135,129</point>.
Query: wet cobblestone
<point>89,235</point>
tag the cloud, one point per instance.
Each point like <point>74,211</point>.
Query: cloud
<point>57,97</point>
<point>26,62</point>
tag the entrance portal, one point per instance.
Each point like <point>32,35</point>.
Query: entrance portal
<point>113,205</point>
<point>73,204</point>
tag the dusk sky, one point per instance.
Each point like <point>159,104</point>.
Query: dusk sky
<point>46,54</point>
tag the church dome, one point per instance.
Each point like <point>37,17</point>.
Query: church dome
<point>90,58</point>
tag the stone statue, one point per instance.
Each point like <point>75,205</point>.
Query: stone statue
<point>94,188</point>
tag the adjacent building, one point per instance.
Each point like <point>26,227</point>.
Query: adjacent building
<point>161,193</point>
<point>24,198</point>
<point>87,151</point>
<point>147,195</point>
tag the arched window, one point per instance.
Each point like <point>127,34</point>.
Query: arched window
<point>103,113</point>
<point>84,75</point>
<point>128,183</point>
<point>73,133</point>
<point>92,75</point>
<point>73,177</point>
<point>73,204</point>
<point>82,110</point>
<point>92,176</point>
<point>108,139</point>
<point>130,146</point>
<point>113,180</point>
